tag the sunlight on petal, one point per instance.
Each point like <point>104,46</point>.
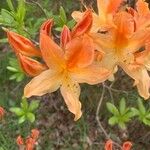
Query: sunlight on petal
<point>47,82</point>
<point>71,91</point>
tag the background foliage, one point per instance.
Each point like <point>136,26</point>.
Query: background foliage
<point>58,131</point>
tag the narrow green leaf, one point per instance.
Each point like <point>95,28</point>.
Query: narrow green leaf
<point>21,119</point>
<point>112,108</point>
<point>62,14</point>
<point>113,120</point>
<point>12,69</point>
<point>141,106</point>
<point>10,5</point>
<point>31,117</point>
<point>135,111</point>
<point>122,106</point>
<point>18,111</point>
<point>24,104</point>
<point>33,105</point>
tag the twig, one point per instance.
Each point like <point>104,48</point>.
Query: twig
<point>101,129</point>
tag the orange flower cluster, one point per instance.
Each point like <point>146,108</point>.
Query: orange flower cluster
<point>118,36</point>
<point>2,112</point>
<point>30,141</point>
<point>126,145</point>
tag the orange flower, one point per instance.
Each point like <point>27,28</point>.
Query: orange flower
<point>68,65</point>
<point>30,143</point>
<point>109,145</point>
<point>120,34</point>
<point>2,112</point>
<point>35,134</point>
<point>20,140</point>
<point>126,145</point>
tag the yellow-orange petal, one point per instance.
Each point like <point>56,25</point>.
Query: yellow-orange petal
<point>65,36</point>
<point>108,145</point>
<point>92,74</point>
<point>30,66</point>
<point>127,145</point>
<point>83,25</point>
<point>47,82</point>
<point>70,91</point>
<point>79,52</point>
<point>22,45</point>
<point>141,77</point>
<point>77,15</point>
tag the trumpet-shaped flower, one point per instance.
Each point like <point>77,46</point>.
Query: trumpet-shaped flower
<point>128,32</point>
<point>69,64</point>
<point>102,20</point>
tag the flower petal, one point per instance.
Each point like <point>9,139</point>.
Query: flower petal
<point>51,52</point>
<point>127,145</point>
<point>47,82</point>
<point>92,74</point>
<point>80,52</point>
<point>83,25</point>
<point>46,27</point>
<point>30,66</point>
<point>22,45</point>
<point>65,36</point>
<point>71,91</point>
<point>108,145</point>
<point>141,77</point>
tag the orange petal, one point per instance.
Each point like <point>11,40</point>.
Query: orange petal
<point>92,74</point>
<point>71,91</point>
<point>80,52</point>
<point>141,77</point>
<point>65,36</point>
<point>108,145</point>
<point>47,82</point>
<point>51,52</point>
<point>127,145</point>
<point>31,66</point>
<point>142,7</point>
<point>46,27</point>
<point>83,25</point>
<point>22,45</point>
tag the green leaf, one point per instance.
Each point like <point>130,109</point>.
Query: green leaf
<point>21,11</point>
<point>31,117</point>
<point>146,121</point>
<point>62,14</point>
<point>122,125</point>
<point>141,106</point>
<point>135,111</point>
<point>12,69</point>
<point>112,108</point>
<point>33,105</point>
<point>113,120</point>
<point>7,17</point>
<point>122,106</point>
<point>71,23</point>
<point>18,111</point>
<point>24,104</point>
<point>10,5</point>
<point>21,119</point>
